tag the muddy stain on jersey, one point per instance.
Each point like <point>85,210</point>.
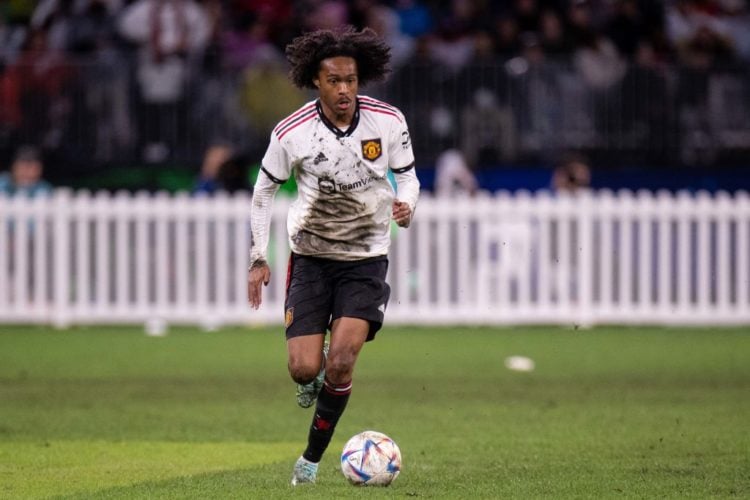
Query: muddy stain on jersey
<point>343,218</point>
<point>337,223</point>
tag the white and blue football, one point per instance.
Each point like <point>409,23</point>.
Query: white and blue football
<point>371,458</point>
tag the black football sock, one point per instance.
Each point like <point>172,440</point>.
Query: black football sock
<point>328,409</point>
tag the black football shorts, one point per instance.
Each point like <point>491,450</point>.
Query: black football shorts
<point>318,291</point>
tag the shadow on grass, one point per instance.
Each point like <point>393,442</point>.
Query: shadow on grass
<point>262,482</point>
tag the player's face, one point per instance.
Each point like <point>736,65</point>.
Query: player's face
<point>338,84</point>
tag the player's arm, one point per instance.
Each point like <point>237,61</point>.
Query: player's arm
<point>407,184</point>
<point>273,172</point>
<point>407,195</point>
<point>260,224</point>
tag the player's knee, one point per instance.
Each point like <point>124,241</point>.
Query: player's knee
<point>339,368</point>
<point>303,373</point>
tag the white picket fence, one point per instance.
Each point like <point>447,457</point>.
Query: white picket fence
<point>625,258</point>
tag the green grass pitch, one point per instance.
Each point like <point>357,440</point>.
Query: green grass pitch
<point>109,412</point>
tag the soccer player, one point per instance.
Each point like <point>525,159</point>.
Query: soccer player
<point>339,149</point>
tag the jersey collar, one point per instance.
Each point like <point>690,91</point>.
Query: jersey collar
<point>333,128</point>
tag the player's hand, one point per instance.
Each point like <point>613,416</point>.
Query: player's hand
<point>401,213</point>
<point>258,274</point>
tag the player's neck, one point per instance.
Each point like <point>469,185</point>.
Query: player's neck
<point>340,120</point>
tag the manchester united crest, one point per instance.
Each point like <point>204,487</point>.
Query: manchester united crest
<point>372,149</point>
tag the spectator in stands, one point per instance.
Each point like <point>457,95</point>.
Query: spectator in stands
<point>536,110</point>
<point>11,116</point>
<point>325,14</point>
<point>25,175</point>
<point>645,103</point>
<point>407,89</point>
<point>234,174</point>
<point>385,22</point>
<point>54,18</point>
<point>277,15</point>
<point>11,39</point>
<point>208,180</point>
<point>105,119</point>
<point>74,26</point>
<point>453,177</point>
<point>507,42</point>
<point>580,24</point>
<point>571,174</point>
<point>223,169</point>
<point>92,26</point>
<point>700,56</point>
<point>597,60</point>
<point>552,35</point>
<point>626,27</point>
<point>600,65</point>
<point>738,23</point>
<point>527,15</point>
<point>41,76</point>
<point>267,75</point>
<point>240,45</point>
<point>487,130</point>
<point>684,18</point>
<point>170,36</point>
<point>705,49</point>
<point>78,108</point>
<point>453,43</point>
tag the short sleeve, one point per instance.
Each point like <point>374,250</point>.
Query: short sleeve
<point>276,161</point>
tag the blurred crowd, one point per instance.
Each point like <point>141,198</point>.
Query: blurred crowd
<point>93,83</point>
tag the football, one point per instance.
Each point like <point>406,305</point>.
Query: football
<point>371,458</point>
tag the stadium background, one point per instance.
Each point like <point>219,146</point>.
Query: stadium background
<point>655,94</point>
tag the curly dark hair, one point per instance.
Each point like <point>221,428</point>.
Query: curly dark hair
<point>369,51</point>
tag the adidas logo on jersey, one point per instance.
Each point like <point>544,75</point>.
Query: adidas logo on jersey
<point>321,157</point>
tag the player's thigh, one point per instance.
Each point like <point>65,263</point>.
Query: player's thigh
<point>305,355</point>
<point>362,292</point>
<point>309,298</point>
<point>348,334</point>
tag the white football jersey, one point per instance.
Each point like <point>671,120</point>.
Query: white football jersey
<point>344,204</point>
